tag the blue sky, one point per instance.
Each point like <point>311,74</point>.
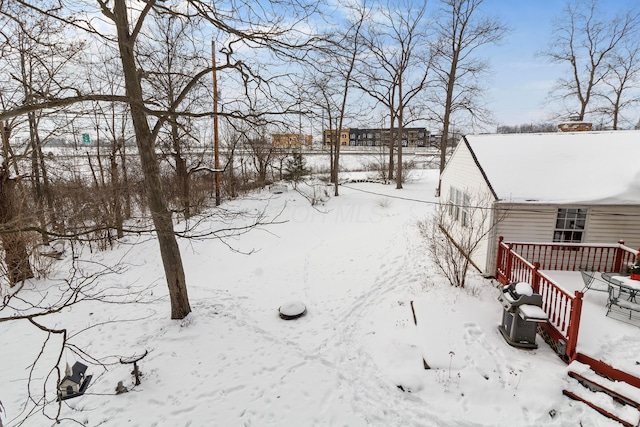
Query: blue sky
<point>520,80</point>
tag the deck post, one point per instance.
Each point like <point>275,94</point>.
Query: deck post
<point>499,257</point>
<point>535,277</point>
<point>507,267</point>
<point>617,264</point>
<point>574,324</point>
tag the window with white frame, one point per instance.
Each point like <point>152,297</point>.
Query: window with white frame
<point>570,225</point>
<point>459,206</point>
<point>465,211</point>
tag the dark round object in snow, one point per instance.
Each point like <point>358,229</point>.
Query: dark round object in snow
<point>292,310</point>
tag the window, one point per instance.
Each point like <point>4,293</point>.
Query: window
<point>454,208</point>
<point>459,206</point>
<point>570,225</point>
<point>464,211</point>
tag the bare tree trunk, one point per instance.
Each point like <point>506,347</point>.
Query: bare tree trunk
<point>399,176</point>
<point>169,250</point>
<point>35,177</point>
<point>15,249</point>
<point>392,144</point>
<point>34,142</point>
<point>116,206</point>
<point>232,177</point>
<point>181,169</point>
<point>183,183</point>
<point>336,157</point>
<point>355,47</point>
<point>332,161</point>
<point>444,140</point>
<point>332,173</point>
<point>47,193</point>
<point>46,186</point>
<point>262,173</point>
<point>616,110</point>
<point>106,215</point>
<point>126,194</point>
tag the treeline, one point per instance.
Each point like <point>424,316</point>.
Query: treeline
<point>528,128</point>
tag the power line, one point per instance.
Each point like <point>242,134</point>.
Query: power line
<point>392,197</point>
<point>488,208</point>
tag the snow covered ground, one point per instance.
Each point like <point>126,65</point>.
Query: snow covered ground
<point>358,263</point>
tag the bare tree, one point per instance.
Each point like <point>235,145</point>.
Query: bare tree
<point>621,79</point>
<point>352,41</point>
<point>231,141</point>
<point>241,27</point>
<point>127,34</point>
<point>326,98</point>
<point>397,71</point>
<point>111,125</point>
<point>456,230</point>
<point>528,128</point>
<point>262,154</point>
<point>585,39</point>
<point>35,59</point>
<point>461,29</point>
<point>172,52</point>
<point>333,80</point>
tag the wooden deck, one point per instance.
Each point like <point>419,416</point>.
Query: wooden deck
<point>578,328</point>
<point>601,337</point>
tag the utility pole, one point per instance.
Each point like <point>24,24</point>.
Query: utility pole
<point>216,157</point>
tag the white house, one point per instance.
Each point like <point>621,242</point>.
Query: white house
<point>579,187</point>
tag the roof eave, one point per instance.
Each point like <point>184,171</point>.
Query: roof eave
<point>484,175</point>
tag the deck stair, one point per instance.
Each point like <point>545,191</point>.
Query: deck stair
<point>615,399</point>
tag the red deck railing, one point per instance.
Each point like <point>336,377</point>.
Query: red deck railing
<point>522,262</point>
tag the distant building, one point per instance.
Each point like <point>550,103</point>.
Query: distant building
<point>377,137</point>
<point>329,136</point>
<point>435,140</point>
<point>291,140</point>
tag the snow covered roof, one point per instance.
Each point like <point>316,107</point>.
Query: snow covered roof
<point>572,167</point>
<point>77,375</point>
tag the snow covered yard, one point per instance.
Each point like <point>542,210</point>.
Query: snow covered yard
<point>359,264</point>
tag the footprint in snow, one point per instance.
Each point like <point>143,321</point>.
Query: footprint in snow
<point>472,333</point>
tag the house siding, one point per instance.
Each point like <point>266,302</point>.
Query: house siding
<point>536,223</point>
<point>607,224</point>
<point>526,223</point>
<point>463,173</point>
<point>520,223</point>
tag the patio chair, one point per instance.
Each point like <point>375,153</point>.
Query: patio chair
<point>592,282</point>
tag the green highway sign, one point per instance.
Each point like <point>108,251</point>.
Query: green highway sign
<point>86,139</point>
